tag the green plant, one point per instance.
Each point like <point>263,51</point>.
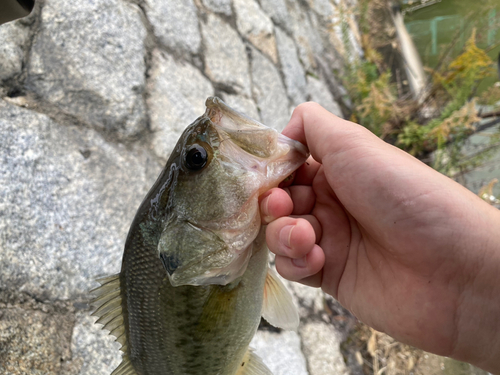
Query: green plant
<point>378,105</point>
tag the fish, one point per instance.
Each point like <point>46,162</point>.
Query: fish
<point>195,277</point>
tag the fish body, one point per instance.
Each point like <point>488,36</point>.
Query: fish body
<point>195,278</point>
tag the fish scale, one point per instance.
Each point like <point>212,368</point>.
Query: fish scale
<point>172,316</point>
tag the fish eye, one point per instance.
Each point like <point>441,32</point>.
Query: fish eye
<point>196,157</point>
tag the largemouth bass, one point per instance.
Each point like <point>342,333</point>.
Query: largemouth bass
<point>195,278</point>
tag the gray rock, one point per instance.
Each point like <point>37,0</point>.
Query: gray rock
<point>242,104</point>
<point>293,71</point>
<point>307,38</point>
<point>277,10</point>
<point>320,339</point>
<point>269,92</point>
<point>325,47</point>
<point>67,201</point>
<point>93,347</point>
<point>177,98</point>
<point>175,24</point>
<point>281,352</point>
<point>321,346</point>
<point>88,61</point>
<point>256,26</point>
<point>338,91</point>
<point>309,300</point>
<point>226,62</point>
<point>14,36</point>
<point>219,6</point>
<point>324,42</point>
<point>34,340</point>
<point>323,8</point>
<point>319,93</point>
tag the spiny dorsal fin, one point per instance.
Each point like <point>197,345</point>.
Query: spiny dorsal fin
<point>107,303</point>
<point>125,368</point>
<point>252,365</point>
<point>278,308</point>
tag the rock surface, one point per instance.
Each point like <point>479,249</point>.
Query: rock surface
<point>222,42</point>
<point>14,37</point>
<point>34,339</point>
<point>93,96</point>
<point>83,63</point>
<point>92,348</point>
<point>295,80</point>
<point>281,352</point>
<point>177,97</point>
<point>169,18</point>
<point>64,213</point>
<point>256,26</point>
<point>219,6</point>
<point>269,92</point>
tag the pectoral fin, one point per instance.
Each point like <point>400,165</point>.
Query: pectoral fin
<point>252,365</point>
<point>278,308</point>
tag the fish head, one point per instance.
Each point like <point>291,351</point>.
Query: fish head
<point>220,166</point>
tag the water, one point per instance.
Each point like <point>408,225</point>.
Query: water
<point>443,28</point>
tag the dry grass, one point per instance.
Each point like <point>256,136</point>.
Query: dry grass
<point>389,356</point>
<point>379,354</point>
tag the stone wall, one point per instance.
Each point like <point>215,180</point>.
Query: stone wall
<point>94,95</point>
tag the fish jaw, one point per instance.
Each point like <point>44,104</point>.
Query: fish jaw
<point>271,154</point>
<point>208,236</point>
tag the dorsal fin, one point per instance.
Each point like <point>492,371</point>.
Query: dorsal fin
<point>278,307</point>
<point>252,365</point>
<point>107,303</point>
<point>125,368</point>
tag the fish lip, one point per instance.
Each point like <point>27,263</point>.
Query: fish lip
<point>216,108</point>
<point>294,144</point>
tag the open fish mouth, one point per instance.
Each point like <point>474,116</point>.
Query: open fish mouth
<point>226,161</point>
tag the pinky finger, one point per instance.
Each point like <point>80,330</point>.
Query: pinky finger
<point>301,268</point>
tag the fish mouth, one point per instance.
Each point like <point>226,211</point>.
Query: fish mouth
<point>266,151</point>
<point>240,128</point>
<point>195,251</point>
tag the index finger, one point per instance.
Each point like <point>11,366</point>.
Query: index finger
<point>323,132</point>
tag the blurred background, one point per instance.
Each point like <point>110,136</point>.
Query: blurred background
<point>428,83</point>
<point>94,95</point>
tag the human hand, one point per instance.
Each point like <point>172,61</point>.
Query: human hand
<point>407,250</point>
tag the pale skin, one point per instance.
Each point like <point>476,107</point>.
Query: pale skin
<point>407,250</point>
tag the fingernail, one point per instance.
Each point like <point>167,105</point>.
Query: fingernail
<point>286,234</point>
<point>300,262</point>
<point>265,211</point>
